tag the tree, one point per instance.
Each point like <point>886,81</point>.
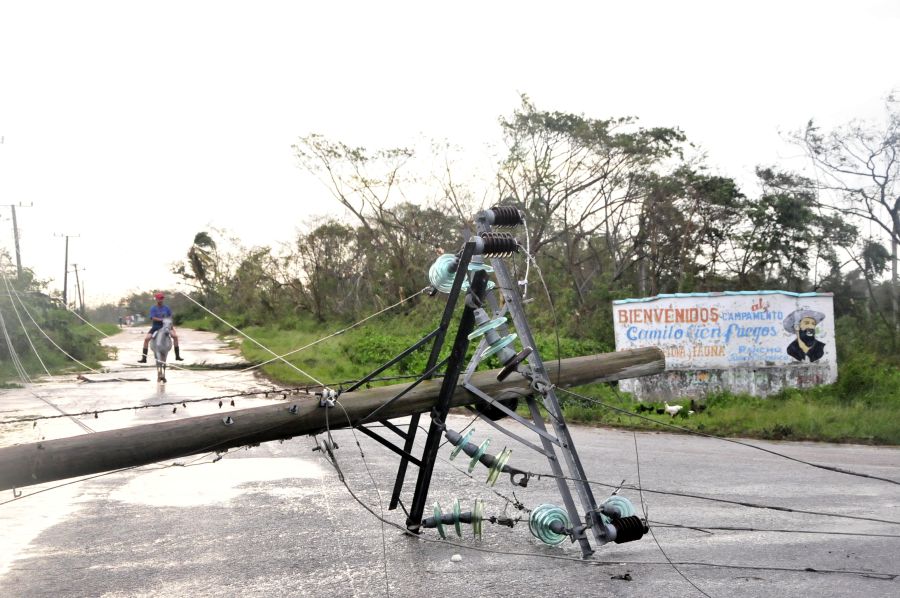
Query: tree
<point>254,290</point>
<point>858,168</point>
<point>204,265</point>
<point>686,220</point>
<point>785,238</point>
<point>330,269</point>
<point>576,179</point>
<point>397,239</point>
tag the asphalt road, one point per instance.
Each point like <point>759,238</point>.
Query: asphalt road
<point>276,520</point>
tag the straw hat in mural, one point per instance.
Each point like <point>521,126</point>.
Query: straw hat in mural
<point>792,322</point>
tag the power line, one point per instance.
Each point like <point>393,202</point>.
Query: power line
<point>285,392</point>
<point>253,340</point>
<point>41,330</point>
<point>377,493</point>
<point>329,336</point>
<point>637,460</point>
<point>731,440</point>
<point>726,501</point>
<point>871,574</point>
<point>9,289</point>
<point>705,528</point>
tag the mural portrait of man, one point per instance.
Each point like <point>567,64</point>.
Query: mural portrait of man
<point>803,322</point>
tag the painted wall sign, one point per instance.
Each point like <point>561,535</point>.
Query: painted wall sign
<point>733,331</point>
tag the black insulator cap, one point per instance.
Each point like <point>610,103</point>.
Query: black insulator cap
<point>499,244</point>
<point>507,216</point>
<point>629,529</point>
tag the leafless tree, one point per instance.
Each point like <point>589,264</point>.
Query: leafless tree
<point>577,179</point>
<point>858,176</point>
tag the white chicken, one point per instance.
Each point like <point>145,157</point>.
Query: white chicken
<point>672,409</point>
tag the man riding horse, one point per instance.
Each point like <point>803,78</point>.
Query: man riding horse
<point>157,313</point>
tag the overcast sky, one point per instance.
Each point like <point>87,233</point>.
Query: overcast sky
<point>119,117</point>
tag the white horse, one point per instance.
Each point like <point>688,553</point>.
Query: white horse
<point>162,344</point>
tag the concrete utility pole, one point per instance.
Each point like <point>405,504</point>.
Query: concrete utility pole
<point>16,234</point>
<point>78,288</point>
<point>66,270</point>
<point>46,461</point>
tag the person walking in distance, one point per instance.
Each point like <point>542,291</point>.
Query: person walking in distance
<point>157,313</point>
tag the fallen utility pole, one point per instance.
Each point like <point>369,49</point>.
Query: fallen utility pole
<point>46,461</point>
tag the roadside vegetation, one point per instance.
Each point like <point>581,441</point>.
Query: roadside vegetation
<point>862,407</point>
<point>36,329</point>
<point>614,210</point>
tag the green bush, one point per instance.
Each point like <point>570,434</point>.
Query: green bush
<point>863,406</point>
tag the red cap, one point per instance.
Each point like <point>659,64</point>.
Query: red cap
<point>159,296</point>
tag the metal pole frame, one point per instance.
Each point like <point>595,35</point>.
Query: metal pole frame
<point>442,407</point>
<point>438,335</point>
<point>569,477</point>
<point>573,475</point>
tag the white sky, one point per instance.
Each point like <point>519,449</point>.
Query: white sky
<point>120,115</point>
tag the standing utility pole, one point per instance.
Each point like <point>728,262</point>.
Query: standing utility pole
<point>66,269</point>
<point>79,290</point>
<point>16,234</point>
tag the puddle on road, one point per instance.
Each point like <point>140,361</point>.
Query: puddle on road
<point>210,483</point>
<point>23,521</point>
<point>197,347</point>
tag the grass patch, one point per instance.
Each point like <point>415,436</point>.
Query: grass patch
<point>862,407</point>
<point>104,327</point>
<point>357,352</point>
<point>80,341</point>
<point>346,357</point>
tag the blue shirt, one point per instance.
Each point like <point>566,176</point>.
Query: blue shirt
<point>160,312</point>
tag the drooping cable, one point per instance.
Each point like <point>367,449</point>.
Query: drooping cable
<point>23,374</point>
<point>97,412</point>
<point>249,393</point>
<point>77,315</point>
<point>550,302</point>
<point>9,290</point>
<point>871,574</point>
<point>328,454</point>
<point>718,500</point>
<point>730,528</point>
<point>637,460</point>
<point>387,584</point>
<point>208,379</point>
<point>52,342</point>
<point>731,440</point>
<point>13,355</point>
<point>333,334</point>
<point>253,340</point>
<point>527,249</point>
